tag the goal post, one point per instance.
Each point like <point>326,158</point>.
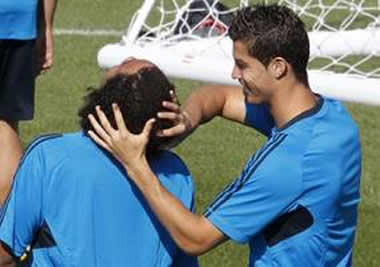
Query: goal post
<point>188,39</point>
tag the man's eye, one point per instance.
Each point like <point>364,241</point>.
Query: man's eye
<point>240,65</point>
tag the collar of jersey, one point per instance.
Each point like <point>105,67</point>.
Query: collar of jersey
<point>307,113</point>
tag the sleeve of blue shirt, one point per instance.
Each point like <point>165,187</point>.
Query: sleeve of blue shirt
<point>254,200</point>
<point>184,260</point>
<point>22,213</point>
<point>259,117</point>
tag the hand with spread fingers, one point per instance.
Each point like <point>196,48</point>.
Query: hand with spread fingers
<point>127,147</point>
<point>181,121</point>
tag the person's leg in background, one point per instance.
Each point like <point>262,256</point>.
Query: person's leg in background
<point>16,104</point>
<point>10,154</point>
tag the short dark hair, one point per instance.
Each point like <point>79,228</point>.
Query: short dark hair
<point>139,97</point>
<point>273,31</point>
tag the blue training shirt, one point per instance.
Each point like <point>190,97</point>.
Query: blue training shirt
<point>76,205</point>
<point>296,199</point>
<point>18,19</point>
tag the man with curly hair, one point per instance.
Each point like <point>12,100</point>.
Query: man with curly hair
<point>296,200</point>
<point>76,207</point>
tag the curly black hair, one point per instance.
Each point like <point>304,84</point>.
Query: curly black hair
<point>139,97</point>
<point>273,31</point>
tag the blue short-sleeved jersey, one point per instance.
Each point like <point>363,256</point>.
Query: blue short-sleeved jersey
<point>296,200</point>
<point>75,203</point>
<point>18,19</point>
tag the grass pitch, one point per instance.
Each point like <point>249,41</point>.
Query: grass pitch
<point>215,153</point>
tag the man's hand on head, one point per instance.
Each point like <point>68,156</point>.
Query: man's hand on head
<point>126,147</point>
<point>182,124</point>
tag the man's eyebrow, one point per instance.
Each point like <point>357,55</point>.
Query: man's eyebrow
<point>240,62</point>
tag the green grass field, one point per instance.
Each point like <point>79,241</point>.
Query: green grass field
<point>215,153</point>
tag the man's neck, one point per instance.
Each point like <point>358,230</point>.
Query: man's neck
<point>290,101</point>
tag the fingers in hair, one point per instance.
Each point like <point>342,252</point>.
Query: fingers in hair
<point>98,140</point>
<point>119,118</point>
<point>99,129</point>
<point>104,121</point>
<point>171,106</point>
<point>148,126</point>
<point>168,115</point>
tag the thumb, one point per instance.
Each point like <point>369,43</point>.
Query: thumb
<point>148,127</point>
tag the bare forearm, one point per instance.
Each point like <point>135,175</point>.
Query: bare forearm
<point>215,100</point>
<point>48,8</point>
<point>203,105</point>
<point>189,231</point>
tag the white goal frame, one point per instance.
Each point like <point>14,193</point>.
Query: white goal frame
<point>210,59</point>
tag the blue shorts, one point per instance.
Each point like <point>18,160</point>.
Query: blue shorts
<point>17,79</point>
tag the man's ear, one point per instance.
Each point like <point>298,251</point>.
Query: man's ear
<point>278,67</point>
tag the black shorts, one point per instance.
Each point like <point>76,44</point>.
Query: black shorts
<point>16,79</point>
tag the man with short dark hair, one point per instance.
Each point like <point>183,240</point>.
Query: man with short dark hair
<point>76,207</point>
<point>296,200</point>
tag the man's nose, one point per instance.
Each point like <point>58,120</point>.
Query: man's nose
<point>236,74</point>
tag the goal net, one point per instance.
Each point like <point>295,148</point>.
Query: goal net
<point>188,39</point>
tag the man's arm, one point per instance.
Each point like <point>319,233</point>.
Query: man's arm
<point>6,259</point>
<point>49,11</point>
<point>203,105</point>
<point>193,233</point>
<point>215,100</point>
<point>45,41</point>
<point>22,214</point>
